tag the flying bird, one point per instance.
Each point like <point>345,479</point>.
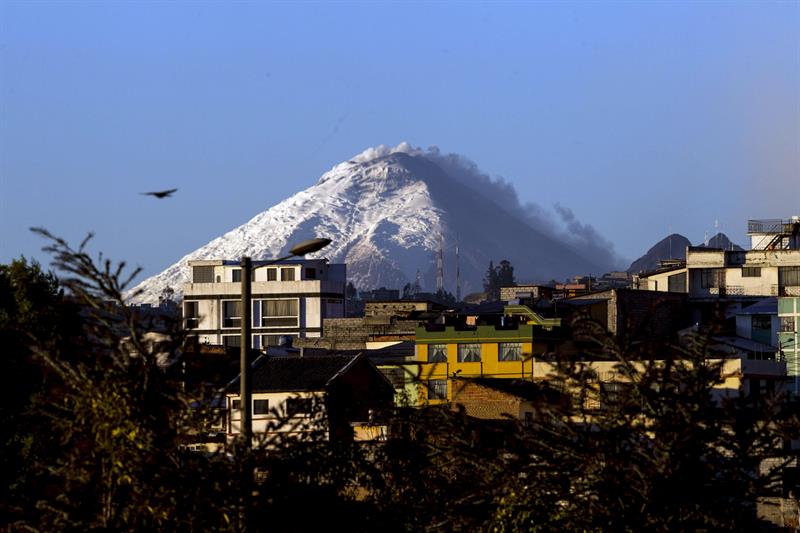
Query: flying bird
<point>160,194</point>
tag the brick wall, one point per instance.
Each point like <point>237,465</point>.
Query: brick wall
<point>484,402</point>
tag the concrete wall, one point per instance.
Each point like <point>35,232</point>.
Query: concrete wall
<point>277,401</point>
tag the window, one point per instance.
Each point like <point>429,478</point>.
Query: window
<point>677,282</point>
<point>789,276</point>
<point>787,323</point>
<point>263,341</point>
<point>710,278</point>
<point>272,274</point>
<point>437,353</point>
<point>231,341</point>
<point>190,314</point>
<point>509,351</point>
<point>298,406</point>
<point>469,353</point>
<point>437,389</point>
<point>275,340</point>
<point>260,407</point>
<point>396,375</point>
<point>762,322</point>
<point>236,405</point>
<point>287,274</point>
<point>613,392</point>
<point>276,313</point>
<point>236,275</point>
<point>203,274</point>
<point>311,273</point>
<point>232,314</point>
<point>751,272</point>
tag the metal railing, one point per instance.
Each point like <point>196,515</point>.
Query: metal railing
<point>768,225</point>
<point>738,290</point>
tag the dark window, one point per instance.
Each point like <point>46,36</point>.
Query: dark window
<point>275,340</point>
<point>190,314</point>
<point>437,353</point>
<point>437,389</point>
<point>677,282</point>
<point>236,275</point>
<point>710,278</point>
<point>510,351</point>
<point>298,406</point>
<point>287,274</point>
<point>789,276</point>
<point>260,407</point>
<point>613,392</point>
<point>236,405</point>
<point>203,274</point>
<point>751,272</point>
<point>231,341</point>
<point>311,273</point>
<point>469,353</point>
<point>396,375</point>
<point>762,322</point>
<point>232,314</point>
<point>272,274</point>
<point>791,481</point>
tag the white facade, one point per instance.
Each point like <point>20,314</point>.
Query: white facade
<point>716,273</point>
<point>666,280</point>
<point>288,413</point>
<point>290,298</point>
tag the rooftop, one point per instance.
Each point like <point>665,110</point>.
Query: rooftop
<point>295,374</point>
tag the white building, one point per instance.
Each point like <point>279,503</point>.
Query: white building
<point>752,273</point>
<point>290,298</point>
<point>770,268</point>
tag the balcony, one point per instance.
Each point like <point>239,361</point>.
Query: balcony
<point>786,290</point>
<point>738,290</point>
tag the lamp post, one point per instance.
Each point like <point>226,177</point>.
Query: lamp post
<point>245,390</point>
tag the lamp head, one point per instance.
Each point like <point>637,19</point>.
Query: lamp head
<point>309,246</point>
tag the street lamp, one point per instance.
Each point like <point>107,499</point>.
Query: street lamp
<point>245,391</point>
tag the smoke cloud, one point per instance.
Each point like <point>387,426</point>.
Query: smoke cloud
<point>560,222</point>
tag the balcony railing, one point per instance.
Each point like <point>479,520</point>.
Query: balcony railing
<point>774,225</point>
<point>738,290</point>
<point>786,290</point>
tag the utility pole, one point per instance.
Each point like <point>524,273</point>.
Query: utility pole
<point>245,390</point>
<point>440,267</point>
<point>244,356</point>
<point>458,277</point>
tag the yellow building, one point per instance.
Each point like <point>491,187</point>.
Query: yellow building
<point>501,351</point>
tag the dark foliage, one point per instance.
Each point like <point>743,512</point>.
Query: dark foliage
<point>497,277</point>
<point>100,423</point>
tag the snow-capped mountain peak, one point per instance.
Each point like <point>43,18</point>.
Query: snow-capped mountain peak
<point>384,211</point>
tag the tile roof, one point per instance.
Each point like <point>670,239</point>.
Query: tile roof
<point>293,374</point>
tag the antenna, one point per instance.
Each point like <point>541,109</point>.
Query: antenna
<point>440,267</point>
<point>458,276</point>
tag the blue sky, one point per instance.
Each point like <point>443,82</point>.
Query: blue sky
<point>642,117</point>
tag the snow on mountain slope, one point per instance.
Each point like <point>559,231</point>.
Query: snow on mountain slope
<point>384,211</point>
